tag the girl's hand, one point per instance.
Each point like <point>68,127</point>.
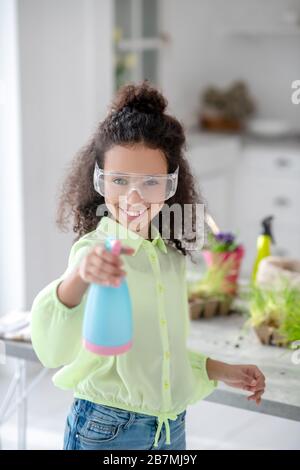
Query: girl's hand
<point>243,376</point>
<point>103,267</point>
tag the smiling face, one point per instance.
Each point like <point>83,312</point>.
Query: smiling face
<point>132,211</point>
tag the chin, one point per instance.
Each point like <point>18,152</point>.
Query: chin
<point>139,224</point>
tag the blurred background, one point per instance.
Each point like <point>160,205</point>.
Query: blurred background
<point>227,70</point>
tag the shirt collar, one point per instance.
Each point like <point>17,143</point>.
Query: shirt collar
<point>111,227</point>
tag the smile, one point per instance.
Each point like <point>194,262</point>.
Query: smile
<point>133,214</point>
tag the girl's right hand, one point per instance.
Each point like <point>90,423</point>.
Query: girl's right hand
<point>100,266</point>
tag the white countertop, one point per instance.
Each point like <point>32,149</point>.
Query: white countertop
<point>227,339</point>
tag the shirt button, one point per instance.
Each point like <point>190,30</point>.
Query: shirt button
<point>167,355</point>
<point>153,257</point>
<point>166,385</point>
<point>160,288</point>
<point>163,322</point>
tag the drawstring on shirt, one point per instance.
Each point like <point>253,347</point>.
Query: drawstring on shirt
<point>164,419</point>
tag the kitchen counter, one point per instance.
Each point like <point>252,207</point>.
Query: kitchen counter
<point>202,137</point>
<point>228,339</point>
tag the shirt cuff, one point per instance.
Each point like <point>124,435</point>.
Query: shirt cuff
<point>62,308</point>
<point>198,361</point>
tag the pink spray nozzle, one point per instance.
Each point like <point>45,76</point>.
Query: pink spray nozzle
<point>113,245</point>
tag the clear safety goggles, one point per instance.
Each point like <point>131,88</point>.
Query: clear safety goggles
<point>151,188</point>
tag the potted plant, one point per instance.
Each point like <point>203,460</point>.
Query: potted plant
<point>223,249</point>
<point>226,109</point>
<point>206,296</point>
<point>275,313</point>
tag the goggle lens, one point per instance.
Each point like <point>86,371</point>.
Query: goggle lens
<point>151,188</point>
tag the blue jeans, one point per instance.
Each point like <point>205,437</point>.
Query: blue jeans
<point>90,426</point>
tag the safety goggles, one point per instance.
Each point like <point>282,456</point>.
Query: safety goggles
<point>151,188</point>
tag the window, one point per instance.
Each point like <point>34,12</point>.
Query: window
<point>137,41</point>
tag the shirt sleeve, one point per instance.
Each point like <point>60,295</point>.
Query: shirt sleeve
<point>56,328</point>
<point>205,386</point>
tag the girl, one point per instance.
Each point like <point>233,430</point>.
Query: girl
<point>135,165</point>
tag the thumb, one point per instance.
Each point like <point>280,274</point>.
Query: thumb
<point>127,250</point>
<point>249,380</point>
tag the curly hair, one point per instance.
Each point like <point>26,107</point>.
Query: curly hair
<point>137,116</point>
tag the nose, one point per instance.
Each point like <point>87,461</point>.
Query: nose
<point>133,197</point>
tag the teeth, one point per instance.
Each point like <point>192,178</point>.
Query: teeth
<point>133,213</point>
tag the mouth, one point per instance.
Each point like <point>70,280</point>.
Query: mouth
<point>132,215</point>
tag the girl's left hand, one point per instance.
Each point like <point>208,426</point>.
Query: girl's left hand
<point>244,376</point>
<point>247,377</point>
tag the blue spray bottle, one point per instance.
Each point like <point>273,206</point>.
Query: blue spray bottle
<point>107,324</point>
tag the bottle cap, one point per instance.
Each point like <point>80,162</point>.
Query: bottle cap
<point>267,227</point>
<point>113,245</point>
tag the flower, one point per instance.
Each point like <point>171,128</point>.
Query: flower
<point>222,242</point>
<point>225,237</point>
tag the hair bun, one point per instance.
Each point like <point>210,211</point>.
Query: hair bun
<point>143,97</point>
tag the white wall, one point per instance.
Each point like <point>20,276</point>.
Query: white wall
<point>202,52</point>
<point>11,228</point>
<point>66,84</point>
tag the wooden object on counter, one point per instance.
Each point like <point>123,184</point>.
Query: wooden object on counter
<point>269,335</point>
<point>209,308</point>
<point>219,124</point>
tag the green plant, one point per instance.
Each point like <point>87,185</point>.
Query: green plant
<point>233,102</point>
<point>213,283</point>
<point>290,327</point>
<point>278,307</point>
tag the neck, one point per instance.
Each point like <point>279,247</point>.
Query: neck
<point>145,232</point>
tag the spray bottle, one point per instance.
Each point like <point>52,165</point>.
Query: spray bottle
<point>264,241</point>
<point>107,324</point>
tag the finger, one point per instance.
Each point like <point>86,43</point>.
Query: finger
<point>105,257</point>
<point>261,379</point>
<point>127,250</point>
<point>104,279</point>
<point>99,263</point>
<point>254,371</point>
<point>260,391</point>
<point>112,270</point>
<point>258,373</point>
<point>256,395</point>
<point>256,399</point>
<point>249,380</point>
<point>100,252</point>
<point>258,386</point>
<point>105,270</point>
<point>111,258</point>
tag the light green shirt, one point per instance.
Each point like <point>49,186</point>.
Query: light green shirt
<point>158,376</point>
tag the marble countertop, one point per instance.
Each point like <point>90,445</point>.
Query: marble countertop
<point>228,339</point>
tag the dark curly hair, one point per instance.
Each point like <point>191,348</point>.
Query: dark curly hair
<point>136,116</point>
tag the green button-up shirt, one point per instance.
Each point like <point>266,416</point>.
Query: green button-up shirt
<point>159,375</point>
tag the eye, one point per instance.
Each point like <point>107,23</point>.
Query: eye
<point>120,181</point>
<point>151,182</point>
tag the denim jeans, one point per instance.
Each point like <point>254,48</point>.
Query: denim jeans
<point>90,426</point>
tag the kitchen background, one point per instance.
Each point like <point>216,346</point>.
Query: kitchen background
<point>60,64</point>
